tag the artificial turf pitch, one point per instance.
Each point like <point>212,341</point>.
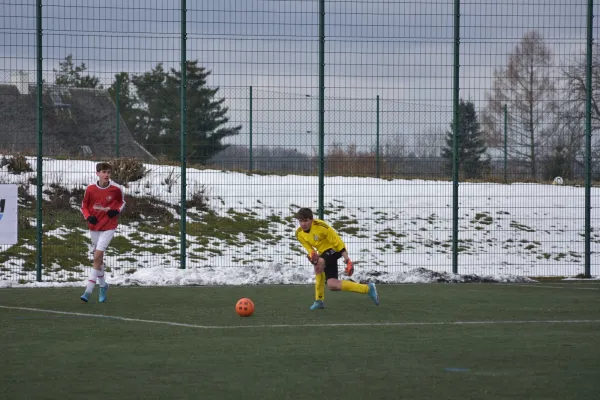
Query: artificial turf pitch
<point>425,341</point>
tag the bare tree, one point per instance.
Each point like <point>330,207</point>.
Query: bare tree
<point>573,108</point>
<point>264,159</point>
<point>576,75</point>
<point>429,144</point>
<point>394,152</point>
<point>526,87</point>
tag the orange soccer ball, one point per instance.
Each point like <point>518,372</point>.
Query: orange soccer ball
<point>244,307</point>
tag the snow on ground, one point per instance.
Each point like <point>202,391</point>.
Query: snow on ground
<point>272,275</point>
<point>403,230</point>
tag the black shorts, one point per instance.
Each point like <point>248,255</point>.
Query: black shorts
<point>331,266</point>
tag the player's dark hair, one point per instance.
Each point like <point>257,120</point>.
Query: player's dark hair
<point>304,213</point>
<point>103,166</point>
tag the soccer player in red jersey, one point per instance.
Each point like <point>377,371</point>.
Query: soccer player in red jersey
<point>102,203</point>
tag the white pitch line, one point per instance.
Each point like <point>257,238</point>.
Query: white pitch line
<point>550,287</point>
<point>333,325</point>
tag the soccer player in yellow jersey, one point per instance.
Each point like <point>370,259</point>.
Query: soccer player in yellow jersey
<point>325,248</point>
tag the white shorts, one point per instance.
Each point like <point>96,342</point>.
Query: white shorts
<point>101,239</point>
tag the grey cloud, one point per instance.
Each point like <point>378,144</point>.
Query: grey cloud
<point>401,51</point>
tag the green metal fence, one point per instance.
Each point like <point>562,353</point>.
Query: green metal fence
<point>429,134</point>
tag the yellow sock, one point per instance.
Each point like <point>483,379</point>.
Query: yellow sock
<point>349,286</point>
<point>320,286</point>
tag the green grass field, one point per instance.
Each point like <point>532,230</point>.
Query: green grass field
<point>429,341</point>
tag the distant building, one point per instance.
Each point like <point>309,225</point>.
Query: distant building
<point>76,122</point>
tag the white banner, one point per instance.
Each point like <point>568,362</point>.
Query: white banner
<point>8,214</point>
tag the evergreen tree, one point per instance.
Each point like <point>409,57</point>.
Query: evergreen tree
<point>128,101</point>
<point>71,75</point>
<point>206,116</point>
<point>160,113</point>
<point>471,146</point>
<point>148,126</point>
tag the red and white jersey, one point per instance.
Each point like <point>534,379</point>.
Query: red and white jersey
<point>98,200</point>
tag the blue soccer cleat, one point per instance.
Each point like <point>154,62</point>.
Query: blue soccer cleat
<point>85,297</point>
<point>103,290</point>
<point>373,293</point>
<point>317,305</point>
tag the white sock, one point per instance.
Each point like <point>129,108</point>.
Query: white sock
<point>91,281</point>
<point>100,274</point>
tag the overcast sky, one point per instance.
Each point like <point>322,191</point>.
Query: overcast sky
<point>399,50</point>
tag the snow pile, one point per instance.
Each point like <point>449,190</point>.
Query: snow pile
<point>274,274</point>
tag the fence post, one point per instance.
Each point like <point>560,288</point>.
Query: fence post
<point>505,145</point>
<point>183,134</point>
<point>251,159</point>
<point>118,91</point>
<point>39,109</point>
<point>321,107</point>
<point>377,148</point>
<point>588,136</point>
<point>455,125</point>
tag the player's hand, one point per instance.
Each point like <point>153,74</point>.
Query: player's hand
<point>92,220</point>
<point>313,257</point>
<point>112,213</point>
<point>349,267</point>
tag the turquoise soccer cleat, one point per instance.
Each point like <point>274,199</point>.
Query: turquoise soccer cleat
<point>373,293</point>
<point>317,305</point>
<point>103,290</point>
<point>85,297</point>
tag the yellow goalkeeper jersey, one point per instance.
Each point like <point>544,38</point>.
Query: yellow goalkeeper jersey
<point>321,237</point>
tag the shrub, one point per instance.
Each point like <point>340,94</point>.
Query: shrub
<point>140,208</point>
<point>58,201</point>
<point>199,199</point>
<point>25,199</point>
<point>171,180</point>
<point>17,164</point>
<point>351,162</point>
<point>77,195</point>
<point>125,170</point>
<point>60,198</point>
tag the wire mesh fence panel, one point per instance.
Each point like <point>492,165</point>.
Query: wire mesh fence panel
<point>101,56</point>
<point>351,108</point>
<point>389,68</point>
<point>521,130</point>
<point>262,56</point>
<point>592,144</point>
<point>17,133</point>
<point>106,72</point>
